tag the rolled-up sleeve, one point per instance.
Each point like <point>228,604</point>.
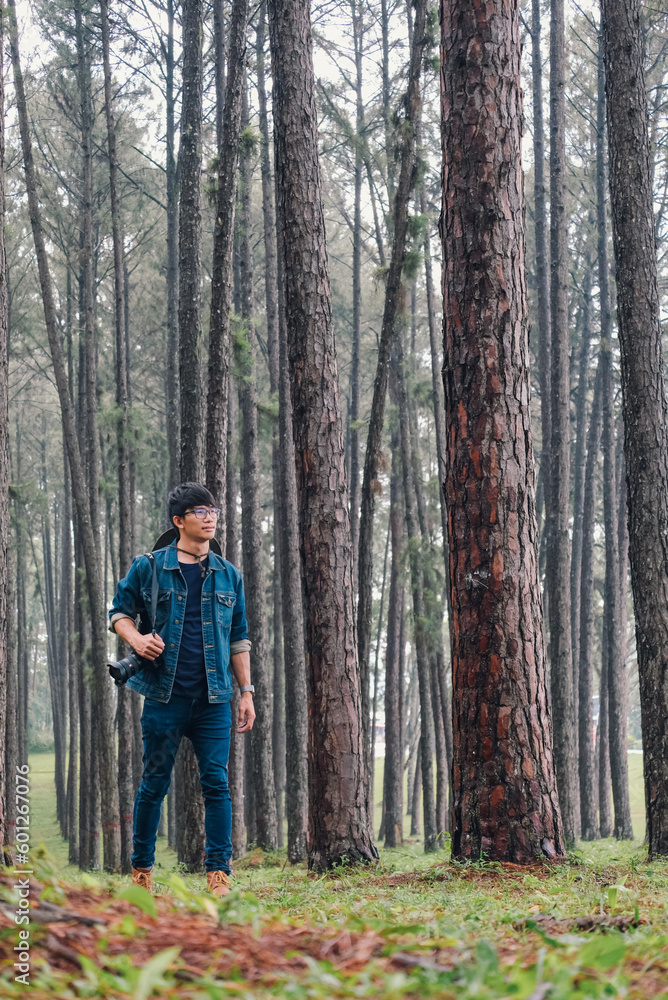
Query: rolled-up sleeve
<point>127,601</point>
<point>239,641</point>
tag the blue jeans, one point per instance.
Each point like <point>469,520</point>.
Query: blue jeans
<point>208,727</point>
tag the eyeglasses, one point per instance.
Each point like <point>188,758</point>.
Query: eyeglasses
<point>203,512</point>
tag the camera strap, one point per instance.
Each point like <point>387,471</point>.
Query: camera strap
<point>154,590</point>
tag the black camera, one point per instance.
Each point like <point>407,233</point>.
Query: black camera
<point>123,670</point>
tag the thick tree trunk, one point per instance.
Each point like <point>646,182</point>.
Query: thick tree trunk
<point>190,248</point>
<point>340,826</point>
<point>611,613</point>
<point>558,547</point>
<point>504,784</point>
<point>256,603</point>
<point>587,755</point>
<point>394,300</point>
<point>223,242</point>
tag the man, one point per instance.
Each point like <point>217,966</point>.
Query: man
<point>200,632</point>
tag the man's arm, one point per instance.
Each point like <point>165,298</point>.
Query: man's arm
<point>149,646</point>
<point>240,663</point>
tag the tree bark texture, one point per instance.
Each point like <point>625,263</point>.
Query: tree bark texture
<point>505,800</point>
<point>339,824</point>
<point>643,393</point>
<point>623,829</point>
<point>190,247</point>
<point>586,748</point>
<point>558,548</point>
<point>223,241</point>
<point>294,650</point>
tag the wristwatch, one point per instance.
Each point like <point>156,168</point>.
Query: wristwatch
<point>248,687</point>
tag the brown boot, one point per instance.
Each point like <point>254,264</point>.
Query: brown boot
<point>218,883</point>
<point>143,877</point>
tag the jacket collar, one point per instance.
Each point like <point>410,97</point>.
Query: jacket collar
<point>172,558</point>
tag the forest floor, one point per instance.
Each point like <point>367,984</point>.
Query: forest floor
<point>412,926</point>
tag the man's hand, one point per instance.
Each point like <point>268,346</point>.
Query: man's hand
<point>148,646</point>
<point>246,713</point>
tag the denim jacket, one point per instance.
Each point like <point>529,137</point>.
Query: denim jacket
<point>224,627</point>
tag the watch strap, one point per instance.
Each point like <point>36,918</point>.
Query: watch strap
<point>247,687</point>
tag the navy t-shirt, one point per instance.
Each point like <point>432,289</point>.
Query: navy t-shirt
<point>190,679</point>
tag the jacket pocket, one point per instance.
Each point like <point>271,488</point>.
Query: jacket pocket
<point>163,609</point>
<point>225,608</point>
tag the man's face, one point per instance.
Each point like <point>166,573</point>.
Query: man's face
<point>198,523</point>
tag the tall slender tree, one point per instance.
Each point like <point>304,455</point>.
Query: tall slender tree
<point>643,389</point>
<point>190,248</point>
<point>504,783</point>
<point>189,800</point>
<point>558,549</point>
<point>339,824</point>
<point>615,667</point>
<point>586,749</point>
<point>223,239</point>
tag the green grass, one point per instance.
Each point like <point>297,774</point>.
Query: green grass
<point>45,827</point>
<point>464,925</point>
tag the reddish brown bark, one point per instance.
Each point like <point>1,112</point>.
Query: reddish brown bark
<point>504,786</point>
